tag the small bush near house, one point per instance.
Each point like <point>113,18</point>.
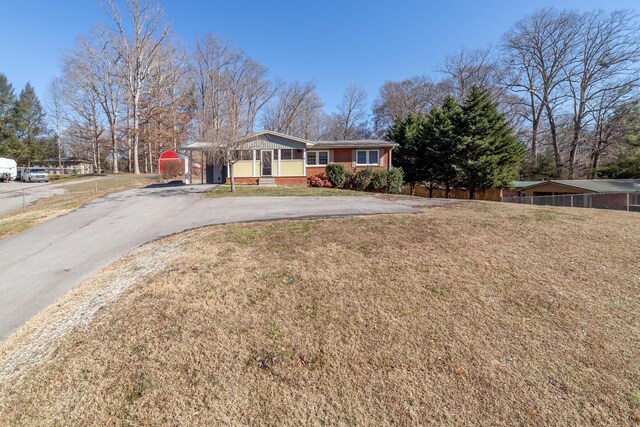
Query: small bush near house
<point>336,174</point>
<point>316,181</point>
<point>349,177</point>
<point>380,181</point>
<point>395,179</point>
<point>362,179</point>
<point>327,183</point>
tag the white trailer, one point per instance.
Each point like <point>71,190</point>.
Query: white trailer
<point>8,169</point>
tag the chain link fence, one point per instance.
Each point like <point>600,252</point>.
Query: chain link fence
<point>629,202</point>
<point>19,195</point>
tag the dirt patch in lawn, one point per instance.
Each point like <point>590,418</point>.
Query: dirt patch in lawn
<point>473,314</point>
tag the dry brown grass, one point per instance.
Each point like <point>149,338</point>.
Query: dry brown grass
<point>475,314</point>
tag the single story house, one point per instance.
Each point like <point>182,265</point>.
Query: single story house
<point>557,187</point>
<point>274,158</point>
<point>72,165</point>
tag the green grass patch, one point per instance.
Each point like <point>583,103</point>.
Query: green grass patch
<point>257,191</point>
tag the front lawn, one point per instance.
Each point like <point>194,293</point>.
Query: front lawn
<point>257,191</point>
<point>478,314</point>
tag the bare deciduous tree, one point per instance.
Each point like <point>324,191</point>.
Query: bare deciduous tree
<point>605,66</point>
<point>55,108</point>
<point>416,95</point>
<point>350,122</point>
<point>538,49</point>
<point>139,49</point>
<point>296,111</point>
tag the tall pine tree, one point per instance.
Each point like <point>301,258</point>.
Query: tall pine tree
<point>440,145</point>
<point>406,132</point>
<point>8,139</point>
<point>30,126</point>
<point>492,153</point>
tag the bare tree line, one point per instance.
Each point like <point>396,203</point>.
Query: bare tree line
<point>130,90</point>
<point>564,79</point>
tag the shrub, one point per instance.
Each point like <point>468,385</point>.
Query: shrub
<point>349,177</point>
<point>395,179</point>
<point>379,180</point>
<point>336,174</point>
<point>362,179</point>
<point>327,183</point>
<point>316,181</point>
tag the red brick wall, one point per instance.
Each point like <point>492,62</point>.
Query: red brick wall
<point>345,157</point>
<point>284,181</point>
<point>291,181</point>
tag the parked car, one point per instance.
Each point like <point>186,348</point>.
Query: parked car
<point>8,169</point>
<point>35,174</point>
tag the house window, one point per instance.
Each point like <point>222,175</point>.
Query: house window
<point>289,154</point>
<point>317,158</point>
<point>245,155</point>
<point>368,157</point>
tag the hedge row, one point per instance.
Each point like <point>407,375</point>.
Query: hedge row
<point>379,180</point>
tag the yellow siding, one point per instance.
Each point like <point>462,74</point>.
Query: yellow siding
<point>243,169</point>
<point>291,168</point>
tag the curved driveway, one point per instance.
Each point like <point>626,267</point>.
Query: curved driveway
<point>40,264</point>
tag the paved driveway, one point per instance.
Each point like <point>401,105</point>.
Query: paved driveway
<point>14,194</point>
<point>40,264</point>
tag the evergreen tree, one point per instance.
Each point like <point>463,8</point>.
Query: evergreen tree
<point>8,138</point>
<point>30,126</point>
<point>537,168</point>
<point>625,166</point>
<point>492,153</point>
<point>405,132</point>
<point>440,145</point>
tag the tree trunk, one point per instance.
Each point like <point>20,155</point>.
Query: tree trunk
<point>114,147</point>
<point>136,137</point>
<point>447,189</point>
<point>59,151</point>
<point>233,184</point>
<point>595,159</point>
<point>554,141</point>
<point>575,140</point>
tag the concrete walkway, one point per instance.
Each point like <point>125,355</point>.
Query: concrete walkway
<point>40,264</point>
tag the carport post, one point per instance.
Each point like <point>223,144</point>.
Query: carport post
<point>572,200</point>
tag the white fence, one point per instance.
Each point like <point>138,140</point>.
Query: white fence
<point>629,202</point>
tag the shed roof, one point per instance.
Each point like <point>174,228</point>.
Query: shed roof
<point>280,137</point>
<point>596,185</point>
<point>522,184</point>
<point>360,143</point>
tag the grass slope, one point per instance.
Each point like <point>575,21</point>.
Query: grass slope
<point>476,314</point>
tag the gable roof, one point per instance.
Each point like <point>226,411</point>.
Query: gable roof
<point>595,185</point>
<point>272,135</point>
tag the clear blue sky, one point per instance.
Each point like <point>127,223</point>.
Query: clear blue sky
<point>333,43</point>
